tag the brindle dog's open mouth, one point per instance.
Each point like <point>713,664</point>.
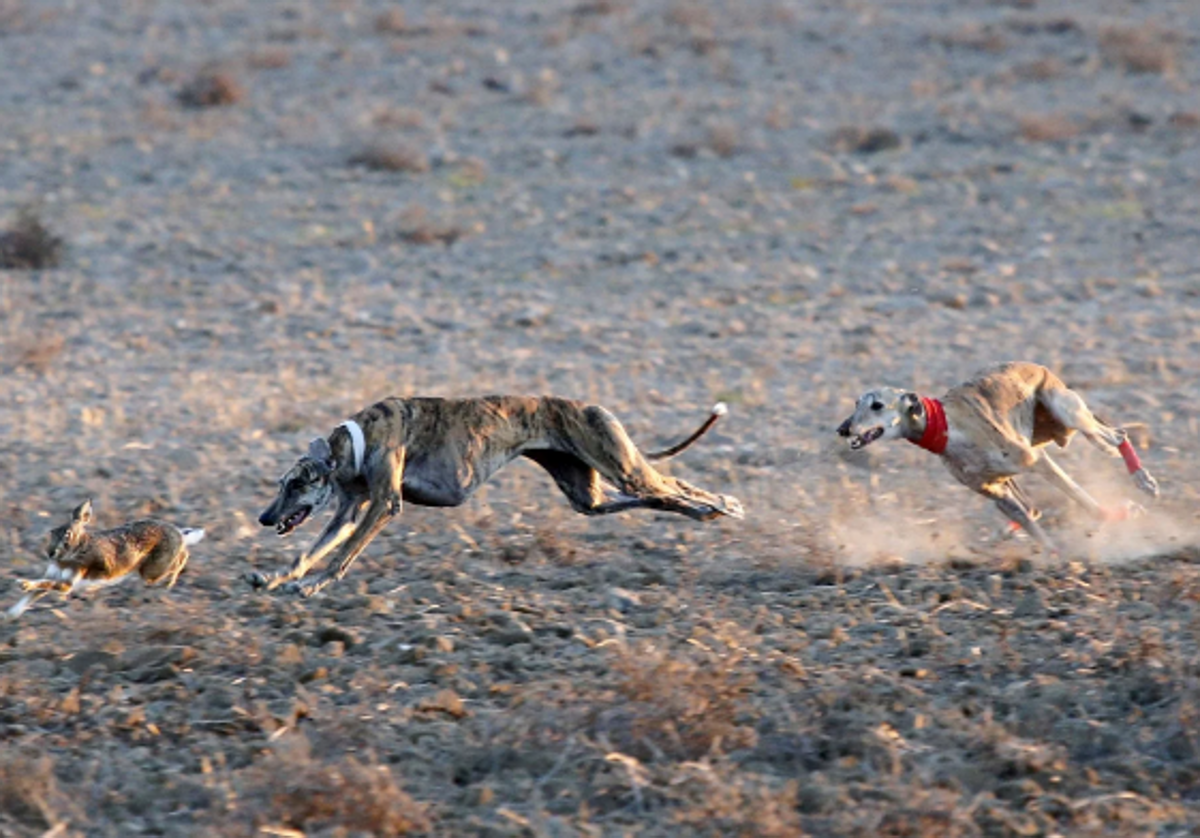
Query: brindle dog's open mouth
<point>292,521</point>
<point>866,438</point>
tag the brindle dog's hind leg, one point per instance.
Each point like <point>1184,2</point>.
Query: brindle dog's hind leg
<point>606,447</point>
<point>582,485</point>
<point>577,480</point>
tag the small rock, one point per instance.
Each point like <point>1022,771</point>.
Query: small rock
<point>901,304</point>
<point>335,634</point>
<point>507,630</point>
<point>1032,605</point>
<point>622,600</point>
<point>446,701</point>
<point>83,661</point>
<point>318,673</point>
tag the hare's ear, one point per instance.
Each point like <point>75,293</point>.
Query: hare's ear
<point>320,451</point>
<point>82,513</point>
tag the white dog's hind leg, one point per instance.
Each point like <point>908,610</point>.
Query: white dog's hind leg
<point>1068,407</point>
<point>1062,480</point>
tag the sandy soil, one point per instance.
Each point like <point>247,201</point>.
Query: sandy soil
<point>277,212</point>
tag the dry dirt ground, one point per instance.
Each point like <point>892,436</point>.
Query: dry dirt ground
<point>277,212</point>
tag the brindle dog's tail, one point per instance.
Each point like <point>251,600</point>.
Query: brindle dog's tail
<point>719,409</point>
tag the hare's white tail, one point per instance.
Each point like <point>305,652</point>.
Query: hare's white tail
<point>191,536</point>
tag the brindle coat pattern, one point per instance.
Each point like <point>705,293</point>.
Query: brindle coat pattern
<point>437,452</point>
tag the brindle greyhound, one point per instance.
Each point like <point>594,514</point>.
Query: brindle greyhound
<point>437,452</point>
<point>995,427</point>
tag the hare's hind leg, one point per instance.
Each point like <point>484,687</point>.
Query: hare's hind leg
<point>165,562</point>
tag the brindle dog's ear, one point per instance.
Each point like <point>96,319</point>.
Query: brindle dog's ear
<point>911,406</point>
<point>320,451</point>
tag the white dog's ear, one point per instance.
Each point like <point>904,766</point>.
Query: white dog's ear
<point>82,514</point>
<point>910,405</point>
<point>320,451</point>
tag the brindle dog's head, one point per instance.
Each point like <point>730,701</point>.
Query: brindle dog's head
<point>305,489</point>
<point>67,538</point>
<point>886,413</point>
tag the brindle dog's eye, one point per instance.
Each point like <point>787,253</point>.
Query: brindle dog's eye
<point>876,405</point>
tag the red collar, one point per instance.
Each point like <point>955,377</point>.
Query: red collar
<point>937,432</point>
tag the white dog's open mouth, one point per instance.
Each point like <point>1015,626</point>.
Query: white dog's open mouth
<point>292,521</point>
<point>866,438</point>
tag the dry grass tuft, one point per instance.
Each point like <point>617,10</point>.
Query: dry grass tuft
<point>599,8</point>
<point>690,15</point>
<point>543,88</point>
<point>678,708</point>
<point>38,352</point>
<point>1048,127</point>
<point>12,17</point>
<point>391,22</point>
<point>416,227</point>
<point>1141,49</point>
<point>398,157</point>
<point>985,38</point>
<point>724,138</point>
<point>860,139</point>
<point>291,788</point>
<point>211,89</point>
<point>1184,120</point>
<point>1042,69</point>
<point>735,805</point>
<point>29,244</point>
<point>778,117</point>
<point>269,58</point>
<point>398,117</point>
<point>29,794</point>
<point>584,126</point>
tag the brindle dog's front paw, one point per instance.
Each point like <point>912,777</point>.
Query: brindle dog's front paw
<point>1146,482</point>
<point>258,581</point>
<point>306,589</point>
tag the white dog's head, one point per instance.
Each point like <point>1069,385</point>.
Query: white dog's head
<point>884,413</point>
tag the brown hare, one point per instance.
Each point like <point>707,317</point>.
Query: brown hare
<point>79,559</point>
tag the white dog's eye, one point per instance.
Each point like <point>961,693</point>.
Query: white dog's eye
<point>876,406</point>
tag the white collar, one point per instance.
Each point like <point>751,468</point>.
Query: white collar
<point>360,442</point>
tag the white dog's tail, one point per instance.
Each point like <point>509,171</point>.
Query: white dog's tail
<point>718,410</point>
<point>191,536</point>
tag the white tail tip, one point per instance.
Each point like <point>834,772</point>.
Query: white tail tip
<point>192,536</point>
<point>720,409</point>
